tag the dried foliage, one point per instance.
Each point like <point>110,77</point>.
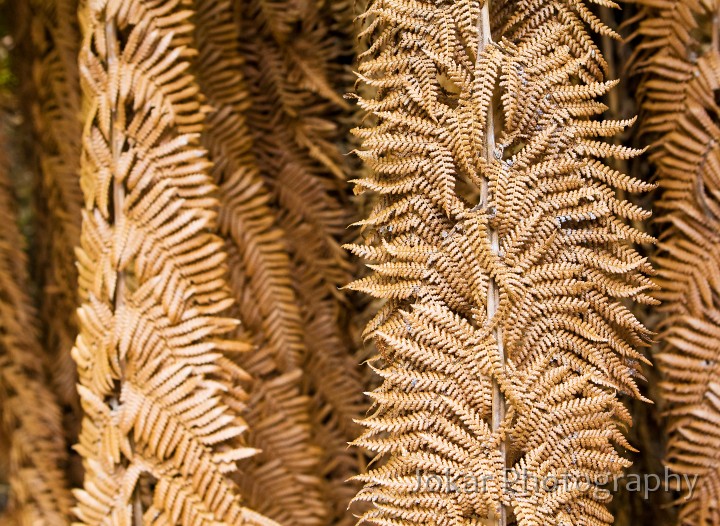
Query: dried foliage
<point>191,175</point>
<point>161,431</point>
<point>504,339</point>
<point>54,111</point>
<point>31,429</point>
<point>261,281</point>
<point>678,61</point>
<point>58,129</point>
<point>309,387</point>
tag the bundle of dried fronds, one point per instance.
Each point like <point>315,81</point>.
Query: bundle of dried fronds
<point>504,338</point>
<point>678,62</point>
<point>31,420</point>
<point>293,63</point>
<point>161,432</point>
<point>56,118</point>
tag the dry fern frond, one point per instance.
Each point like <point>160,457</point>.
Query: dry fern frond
<point>56,118</point>
<point>45,62</point>
<point>276,480</point>
<point>31,417</point>
<point>161,433</point>
<point>678,61</point>
<point>294,64</point>
<point>504,339</point>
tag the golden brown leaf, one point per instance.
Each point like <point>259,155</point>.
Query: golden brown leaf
<point>677,59</point>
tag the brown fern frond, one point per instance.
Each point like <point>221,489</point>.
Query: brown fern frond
<point>678,61</point>
<point>294,101</point>
<point>30,413</point>
<point>296,67</point>
<point>262,282</point>
<point>45,62</point>
<point>56,119</point>
<point>504,339</point>
<point>160,396</point>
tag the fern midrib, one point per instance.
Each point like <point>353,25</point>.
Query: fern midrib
<point>493,294</point>
<point>117,140</point>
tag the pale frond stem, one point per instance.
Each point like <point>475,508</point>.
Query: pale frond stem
<point>137,507</point>
<point>493,297</point>
<point>117,140</point>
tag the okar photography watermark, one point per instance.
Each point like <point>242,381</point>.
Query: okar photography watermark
<point>523,482</point>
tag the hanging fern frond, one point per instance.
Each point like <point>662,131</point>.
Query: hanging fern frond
<point>51,101</point>
<point>295,66</point>
<point>161,433</point>
<point>678,63</point>
<point>282,479</point>
<point>29,410</point>
<point>504,340</point>
<point>56,118</point>
<point>288,60</point>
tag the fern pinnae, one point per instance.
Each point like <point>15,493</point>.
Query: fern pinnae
<point>39,492</point>
<point>54,114</point>
<point>677,62</point>
<point>512,302</point>
<point>161,432</point>
<point>262,282</point>
<point>291,66</point>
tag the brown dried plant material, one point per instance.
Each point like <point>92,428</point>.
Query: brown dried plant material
<point>294,64</point>
<point>281,480</point>
<point>56,119</point>
<point>31,421</point>
<point>678,61</point>
<point>504,340</point>
<point>162,432</point>
<point>52,106</point>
